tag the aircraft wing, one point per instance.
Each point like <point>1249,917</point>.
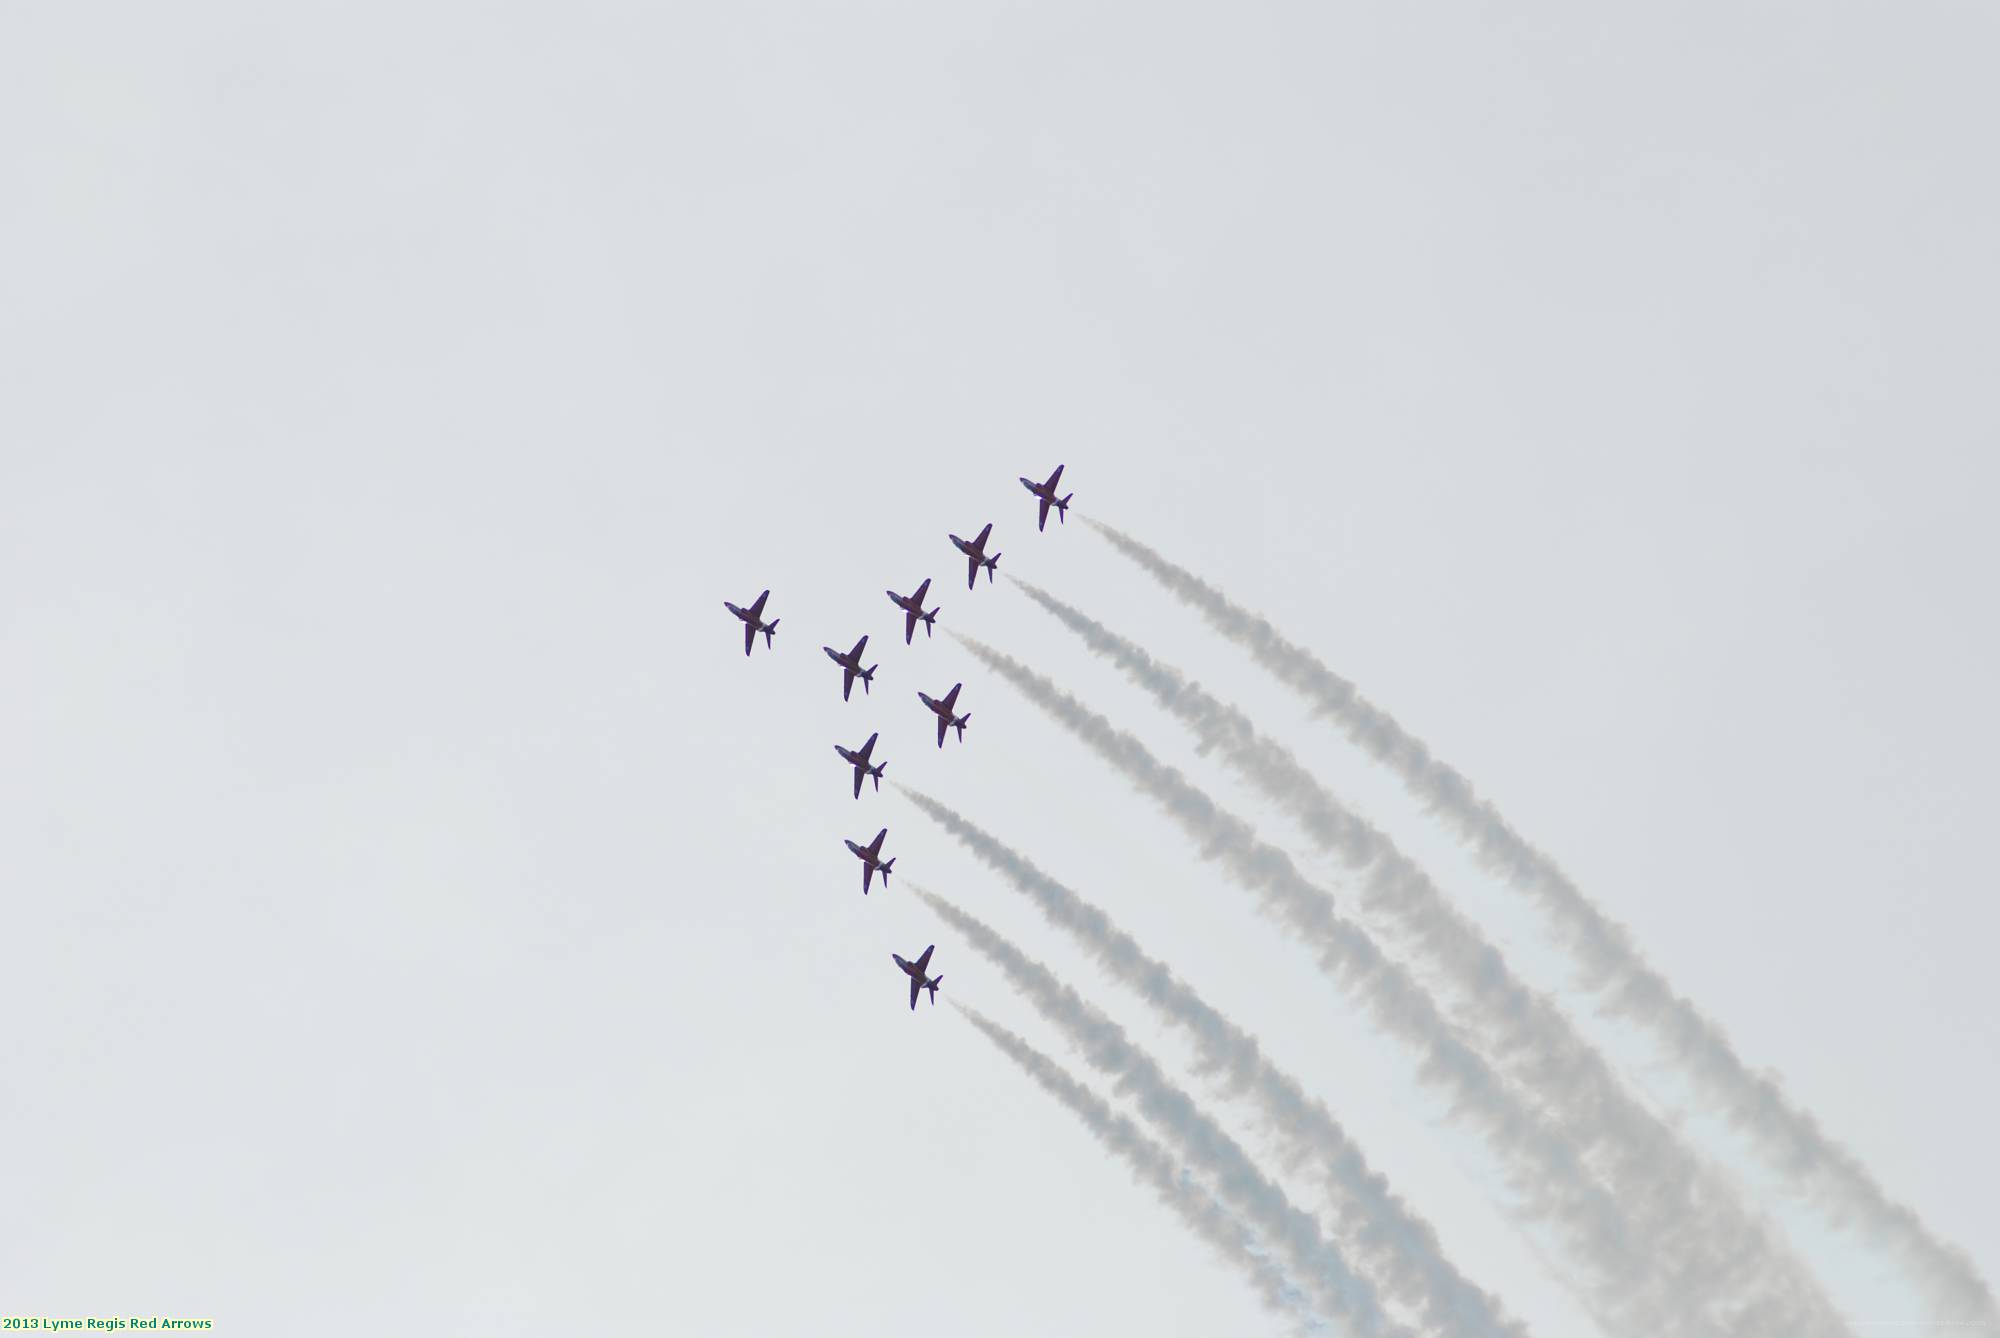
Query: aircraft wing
<point>757,609</point>
<point>944,723</point>
<point>916,987</point>
<point>971,570</point>
<point>1054,479</point>
<point>1042,520</point>
<point>868,748</point>
<point>749,634</point>
<point>980,542</point>
<point>857,780</point>
<point>951,698</point>
<point>909,625</point>
<point>846,680</point>
<point>922,590</point>
<point>867,873</point>
<point>925,960</point>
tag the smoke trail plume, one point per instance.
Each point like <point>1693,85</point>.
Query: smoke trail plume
<point>1702,1264</point>
<point>1264,1206</point>
<point>1788,1138</point>
<point>1530,1038</point>
<point>1152,1165</point>
<point>1390,1244</point>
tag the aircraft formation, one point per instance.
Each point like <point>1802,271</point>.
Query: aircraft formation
<point>945,708</point>
<point>1521,1079</point>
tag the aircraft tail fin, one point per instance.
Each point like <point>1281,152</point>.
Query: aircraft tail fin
<point>867,677</point>
<point>886,865</point>
<point>1062,508</point>
<point>992,565</point>
<point>876,772</point>
<point>932,985</point>
<point>930,620</point>
<point>959,725</point>
<point>768,629</point>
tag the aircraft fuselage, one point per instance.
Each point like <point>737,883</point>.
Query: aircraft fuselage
<point>975,554</point>
<point>850,666</point>
<point>1045,493</point>
<point>915,971</point>
<point>871,861</point>
<point>943,709</point>
<point>913,610</point>
<point>753,622</point>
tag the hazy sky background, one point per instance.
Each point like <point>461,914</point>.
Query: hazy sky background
<point>419,914</point>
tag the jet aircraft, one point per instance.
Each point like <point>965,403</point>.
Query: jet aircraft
<point>942,709</point>
<point>915,971</point>
<point>751,625</point>
<point>850,665</point>
<point>858,759</point>
<point>913,611</point>
<point>1047,493</point>
<point>975,556</point>
<point>871,861</point>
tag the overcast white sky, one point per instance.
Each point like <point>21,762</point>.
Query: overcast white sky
<point>418,914</point>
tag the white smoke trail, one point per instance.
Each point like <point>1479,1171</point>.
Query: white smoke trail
<point>1789,1139</point>
<point>1702,1265</point>
<point>1521,1027</point>
<point>1395,1248</point>
<point>1152,1165</point>
<point>1263,1205</point>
